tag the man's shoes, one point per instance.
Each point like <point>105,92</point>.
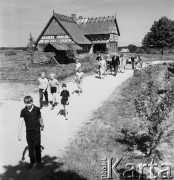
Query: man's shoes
<point>39,165</point>
<point>30,165</point>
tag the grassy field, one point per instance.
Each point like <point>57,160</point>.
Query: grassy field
<point>12,68</point>
<point>99,137</point>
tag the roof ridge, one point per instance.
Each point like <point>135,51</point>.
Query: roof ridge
<point>64,17</point>
<point>99,19</point>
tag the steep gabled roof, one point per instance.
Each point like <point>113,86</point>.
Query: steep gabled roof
<point>72,28</point>
<point>98,25</point>
<point>68,25</point>
<point>64,46</point>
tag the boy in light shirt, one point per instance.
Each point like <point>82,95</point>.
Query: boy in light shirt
<point>78,64</point>
<point>53,84</point>
<point>43,85</point>
<point>78,79</point>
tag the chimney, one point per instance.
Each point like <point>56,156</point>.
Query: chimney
<point>73,16</point>
<point>80,17</point>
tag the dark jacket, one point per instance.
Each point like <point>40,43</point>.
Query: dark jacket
<point>115,60</point>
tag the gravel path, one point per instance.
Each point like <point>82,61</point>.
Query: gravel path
<point>58,131</point>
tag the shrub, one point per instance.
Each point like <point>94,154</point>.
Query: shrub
<point>153,111</point>
<point>88,58</point>
<point>10,52</point>
<point>140,51</point>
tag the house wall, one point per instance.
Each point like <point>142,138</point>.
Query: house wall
<point>110,41</point>
<point>59,38</point>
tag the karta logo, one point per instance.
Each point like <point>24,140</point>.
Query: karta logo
<point>111,170</point>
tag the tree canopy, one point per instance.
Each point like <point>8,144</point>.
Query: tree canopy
<point>161,34</point>
<point>132,48</point>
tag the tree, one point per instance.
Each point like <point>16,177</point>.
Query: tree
<point>161,35</point>
<point>140,51</point>
<point>132,48</point>
<point>31,48</point>
<point>71,52</point>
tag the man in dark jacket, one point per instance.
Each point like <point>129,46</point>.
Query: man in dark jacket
<point>115,63</point>
<point>133,61</point>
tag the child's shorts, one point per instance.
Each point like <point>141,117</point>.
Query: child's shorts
<point>64,101</point>
<point>53,90</point>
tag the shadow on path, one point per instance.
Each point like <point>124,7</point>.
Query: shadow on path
<point>61,112</point>
<point>51,171</point>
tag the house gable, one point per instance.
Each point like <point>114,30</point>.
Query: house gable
<point>54,29</point>
<point>62,28</point>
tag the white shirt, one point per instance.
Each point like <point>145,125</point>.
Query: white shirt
<point>78,65</point>
<point>31,108</point>
<point>43,83</point>
<point>53,82</point>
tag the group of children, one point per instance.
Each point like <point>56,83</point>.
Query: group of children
<point>54,86</point>
<point>31,114</point>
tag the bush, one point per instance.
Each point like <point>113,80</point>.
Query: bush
<point>140,51</point>
<point>170,51</point>
<point>10,52</point>
<point>88,58</point>
<point>153,111</point>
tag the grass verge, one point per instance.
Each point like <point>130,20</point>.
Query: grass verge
<point>98,138</point>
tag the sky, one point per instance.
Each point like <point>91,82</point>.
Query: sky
<point>135,17</point>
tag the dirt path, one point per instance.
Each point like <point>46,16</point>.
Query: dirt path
<point>58,132</point>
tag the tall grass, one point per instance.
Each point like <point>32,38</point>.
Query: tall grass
<point>98,139</point>
<point>14,68</point>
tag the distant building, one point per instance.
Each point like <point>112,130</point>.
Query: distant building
<point>90,35</point>
<point>124,50</point>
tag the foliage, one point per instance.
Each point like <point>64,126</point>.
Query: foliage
<point>140,51</point>
<point>71,52</point>
<point>31,48</point>
<point>132,48</point>
<point>161,34</point>
<point>10,52</point>
<point>88,58</point>
<point>153,111</point>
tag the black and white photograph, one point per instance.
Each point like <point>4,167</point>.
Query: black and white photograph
<point>86,89</point>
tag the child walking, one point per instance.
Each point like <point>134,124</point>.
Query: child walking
<point>34,123</point>
<point>43,85</point>
<point>78,79</point>
<point>102,69</point>
<point>54,84</point>
<point>64,101</point>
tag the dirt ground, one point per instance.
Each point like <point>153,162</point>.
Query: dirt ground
<point>58,132</point>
